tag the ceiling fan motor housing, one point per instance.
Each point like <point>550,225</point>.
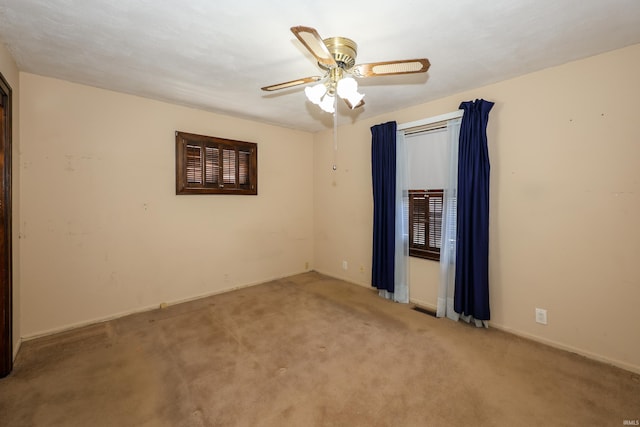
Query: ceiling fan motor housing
<point>343,50</point>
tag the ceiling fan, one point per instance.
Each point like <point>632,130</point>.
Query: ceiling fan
<point>336,56</point>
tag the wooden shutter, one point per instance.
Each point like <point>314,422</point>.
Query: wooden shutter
<point>419,211</point>
<point>210,165</point>
<point>435,221</point>
<point>425,223</point>
<point>229,167</point>
<point>244,166</point>
<point>212,162</point>
<point>194,164</point>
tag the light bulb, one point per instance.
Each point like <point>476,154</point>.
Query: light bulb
<point>348,89</point>
<point>327,103</point>
<point>314,93</point>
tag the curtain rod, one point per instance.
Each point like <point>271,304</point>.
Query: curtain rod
<point>431,120</point>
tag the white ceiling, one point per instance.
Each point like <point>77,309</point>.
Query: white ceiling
<point>217,54</point>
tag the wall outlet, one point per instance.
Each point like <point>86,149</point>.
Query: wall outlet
<point>345,265</point>
<point>306,265</point>
<point>541,316</point>
<point>361,268</point>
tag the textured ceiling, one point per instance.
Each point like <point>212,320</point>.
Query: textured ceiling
<point>215,55</point>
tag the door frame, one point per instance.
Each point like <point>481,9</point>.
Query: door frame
<point>6,257</point>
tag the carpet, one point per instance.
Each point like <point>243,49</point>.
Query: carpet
<point>306,350</point>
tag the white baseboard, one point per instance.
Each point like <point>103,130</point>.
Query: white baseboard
<point>16,347</point>
<point>589,355</point>
<point>345,278</point>
<point>423,304</point>
<point>143,309</point>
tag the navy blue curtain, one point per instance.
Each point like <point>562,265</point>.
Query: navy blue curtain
<point>471,296</point>
<point>383,169</point>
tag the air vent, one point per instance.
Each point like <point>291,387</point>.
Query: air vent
<point>425,311</point>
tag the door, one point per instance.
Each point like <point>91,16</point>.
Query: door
<point>6,300</point>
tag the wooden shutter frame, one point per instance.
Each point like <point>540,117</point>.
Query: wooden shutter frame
<point>424,251</point>
<point>184,187</point>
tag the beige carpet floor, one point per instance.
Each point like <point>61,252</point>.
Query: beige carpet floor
<point>307,350</point>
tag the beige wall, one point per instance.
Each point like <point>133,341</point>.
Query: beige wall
<point>565,196</point>
<point>9,70</point>
<point>103,231</point>
<point>424,277</point>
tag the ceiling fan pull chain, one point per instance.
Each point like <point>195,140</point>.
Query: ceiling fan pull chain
<point>335,132</point>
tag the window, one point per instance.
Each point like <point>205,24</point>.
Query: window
<point>210,165</point>
<point>425,223</point>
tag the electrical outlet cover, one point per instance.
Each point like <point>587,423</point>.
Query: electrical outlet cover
<point>541,316</point>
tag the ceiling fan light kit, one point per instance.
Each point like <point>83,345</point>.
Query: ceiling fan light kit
<point>323,94</point>
<point>337,57</point>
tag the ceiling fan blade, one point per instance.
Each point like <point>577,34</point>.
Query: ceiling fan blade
<point>292,83</point>
<point>407,66</point>
<point>360,104</point>
<point>314,44</point>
